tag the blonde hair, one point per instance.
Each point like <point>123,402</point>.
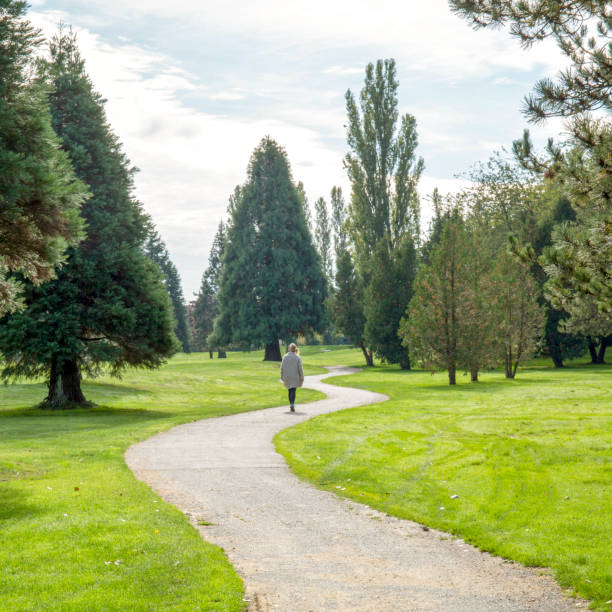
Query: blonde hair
<point>293,347</point>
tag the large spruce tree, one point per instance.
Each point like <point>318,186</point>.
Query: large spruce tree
<point>108,304</point>
<point>40,196</point>
<point>156,249</point>
<point>272,285</point>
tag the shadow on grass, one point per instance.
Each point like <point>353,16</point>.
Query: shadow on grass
<point>14,505</point>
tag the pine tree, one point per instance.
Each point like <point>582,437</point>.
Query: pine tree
<point>40,196</point>
<point>157,251</point>
<point>271,283</point>
<point>432,326</point>
<point>206,306</point>
<point>108,304</point>
<point>581,29</point>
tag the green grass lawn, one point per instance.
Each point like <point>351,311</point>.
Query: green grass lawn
<point>530,461</point>
<point>77,530</point>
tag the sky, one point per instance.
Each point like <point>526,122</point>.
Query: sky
<point>192,86</point>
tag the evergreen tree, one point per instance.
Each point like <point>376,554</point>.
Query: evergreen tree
<point>40,195</point>
<point>301,191</point>
<point>206,306</point>
<point>322,236</point>
<point>108,304</point>
<point>271,283</point>
<point>156,250</point>
<point>432,326</point>
<point>338,219</point>
<point>581,29</point>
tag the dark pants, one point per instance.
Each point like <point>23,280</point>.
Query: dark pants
<point>292,395</point>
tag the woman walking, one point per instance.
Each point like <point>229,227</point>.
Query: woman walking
<point>292,374</point>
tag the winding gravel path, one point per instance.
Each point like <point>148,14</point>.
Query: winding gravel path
<point>301,549</point>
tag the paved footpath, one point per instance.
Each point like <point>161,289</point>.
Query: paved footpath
<point>301,549</point>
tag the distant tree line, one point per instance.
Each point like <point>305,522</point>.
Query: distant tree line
<point>516,265</point>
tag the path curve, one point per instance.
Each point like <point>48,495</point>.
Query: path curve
<point>298,548</point>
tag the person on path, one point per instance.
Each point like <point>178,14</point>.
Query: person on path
<point>292,373</point>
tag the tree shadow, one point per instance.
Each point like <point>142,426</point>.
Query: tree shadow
<point>14,504</point>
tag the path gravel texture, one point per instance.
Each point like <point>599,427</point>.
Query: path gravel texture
<point>298,548</point>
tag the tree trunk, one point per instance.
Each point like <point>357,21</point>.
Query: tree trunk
<point>272,352</point>
<point>405,363</point>
<point>210,353</point>
<point>221,354</point>
<point>71,383</point>
<point>54,396</point>
<point>64,385</point>
<point>452,378</point>
<point>367,354</point>
<point>592,351</point>
<point>515,368</point>
<point>474,373</point>
<point>558,361</point>
<point>601,354</point>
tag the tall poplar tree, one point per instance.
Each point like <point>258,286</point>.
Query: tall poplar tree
<point>271,286</point>
<point>40,195</point>
<point>156,249</point>
<point>108,304</point>
<point>384,211</point>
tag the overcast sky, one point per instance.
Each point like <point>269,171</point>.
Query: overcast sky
<point>194,85</point>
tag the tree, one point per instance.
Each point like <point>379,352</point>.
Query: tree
<point>431,327</point>
<point>108,305</point>
<point>384,209</point>
<point>40,196</point>
<point>156,250</point>
<point>519,316</point>
<point>347,304</point>
<point>578,260</point>
<point>271,282</point>
<point>382,166</point>
<point>581,29</point>
<point>206,306</point>
<point>347,299</point>
<point>387,296</point>
<point>322,236</point>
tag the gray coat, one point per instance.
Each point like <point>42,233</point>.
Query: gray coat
<point>292,374</point>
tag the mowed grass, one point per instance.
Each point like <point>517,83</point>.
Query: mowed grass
<point>529,459</point>
<point>77,530</point>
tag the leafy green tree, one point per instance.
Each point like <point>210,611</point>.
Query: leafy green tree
<point>271,285</point>
<point>520,317</point>
<point>346,304</point>
<point>384,210</point>
<point>156,250</point>
<point>108,305</point>
<point>381,165</point>
<point>387,296</point>
<point>40,196</point>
